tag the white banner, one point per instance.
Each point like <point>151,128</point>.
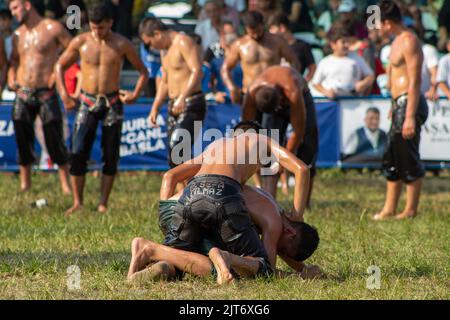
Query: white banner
<point>435,138</point>
<point>357,121</point>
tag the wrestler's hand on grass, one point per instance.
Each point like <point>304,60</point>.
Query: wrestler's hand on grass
<point>409,128</point>
<point>126,97</point>
<point>311,272</point>
<point>178,106</point>
<point>152,118</point>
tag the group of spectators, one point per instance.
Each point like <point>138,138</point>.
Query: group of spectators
<point>339,54</point>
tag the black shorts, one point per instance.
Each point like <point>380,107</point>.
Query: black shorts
<point>212,207</point>
<point>308,150</point>
<point>167,211</point>
<point>182,124</point>
<point>401,160</point>
<point>109,111</point>
<point>28,104</point>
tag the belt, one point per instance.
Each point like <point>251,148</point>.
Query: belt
<point>110,99</point>
<point>190,98</point>
<point>43,93</point>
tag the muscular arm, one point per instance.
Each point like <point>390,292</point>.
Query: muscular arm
<point>293,92</point>
<point>69,57</point>
<point>231,60</point>
<point>3,65</point>
<point>192,56</point>
<point>264,213</point>
<point>301,172</point>
<point>413,59</point>
<point>13,64</point>
<point>62,35</point>
<point>161,93</point>
<point>132,56</point>
<point>177,175</point>
<point>248,105</point>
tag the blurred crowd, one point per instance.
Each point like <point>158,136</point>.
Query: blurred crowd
<point>340,55</point>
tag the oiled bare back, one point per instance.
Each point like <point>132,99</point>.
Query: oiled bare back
<point>237,158</point>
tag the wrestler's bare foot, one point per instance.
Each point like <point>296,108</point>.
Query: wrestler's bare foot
<point>135,249</point>
<point>74,208</point>
<point>25,188</point>
<point>221,261</point>
<point>102,208</point>
<point>406,215</point>
<point>382,215</point>
<point>137,263</point>
<point>161,270</point>
<point>66,190</point>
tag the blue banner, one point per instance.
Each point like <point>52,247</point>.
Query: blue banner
<point>145,148</point>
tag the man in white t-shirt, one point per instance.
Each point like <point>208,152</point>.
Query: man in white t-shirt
<point>429,71</point>
<point>443,74</point>
<point>342,73</point>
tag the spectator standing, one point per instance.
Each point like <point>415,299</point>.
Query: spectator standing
<point>239,5</point>
<point>349,17</point>
<point>227,13</point>
<point>444,24</point>
<point>342,73</point>
<point>279,24</point>
<point>152,61</point>
<point>267,8</point>
<point>6,30</point>
<point>214,57</point>
<point>122,15</point>
<point>208,29</point>
<point>299,16</point>
<point>328,18</point>
<point>443,74</point>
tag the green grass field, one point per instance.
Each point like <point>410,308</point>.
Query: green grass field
<point>38,245</point>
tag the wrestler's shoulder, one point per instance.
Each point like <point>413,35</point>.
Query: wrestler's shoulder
<point>53,25</point>
<point>184,39</point>
<point>81,39</point>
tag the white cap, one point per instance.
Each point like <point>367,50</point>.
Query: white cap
<point>346,6</point>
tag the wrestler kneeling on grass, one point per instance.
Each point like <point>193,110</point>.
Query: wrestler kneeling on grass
<point>221,219</point>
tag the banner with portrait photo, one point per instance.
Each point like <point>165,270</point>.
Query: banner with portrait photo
<point>364,127</point>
